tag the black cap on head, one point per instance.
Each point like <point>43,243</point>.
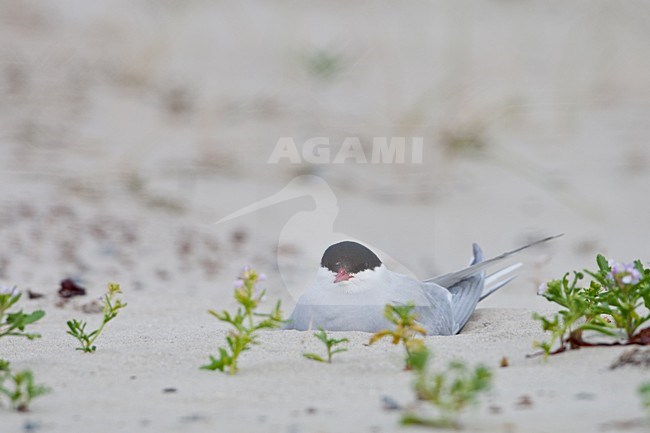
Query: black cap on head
<point>351,256</point>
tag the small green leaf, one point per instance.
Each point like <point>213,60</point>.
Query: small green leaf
<point>33,317</point>
<point>314,357</point>
<point>603,265</point>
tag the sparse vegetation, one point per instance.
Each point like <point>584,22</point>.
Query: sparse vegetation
<point>330,346</point>
<point>406,329</point>
<point>610,305</point>
<point>21,389</point>
<point>14,324</point>
<point>449,391</point>
<point>77,328</point>
<point>244,324</point>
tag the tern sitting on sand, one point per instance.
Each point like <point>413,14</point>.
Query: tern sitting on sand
<point>352,287</point>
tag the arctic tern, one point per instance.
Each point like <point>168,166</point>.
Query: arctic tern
<point>353,286</point>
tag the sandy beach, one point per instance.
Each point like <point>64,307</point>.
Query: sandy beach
<point>131,132</point>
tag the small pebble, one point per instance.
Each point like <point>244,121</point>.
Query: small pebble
<point>389,403</point>
<point>33,295</point>
<point>69,289</point>
<point>31,426</point>
<point>585,396</point>
<point>525,402</point>
<point>195,417</point>
<point>494,409</point>
<point>92,307</point>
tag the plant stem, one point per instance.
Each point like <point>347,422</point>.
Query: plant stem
<point>251,324</point>
<point>97,332</point>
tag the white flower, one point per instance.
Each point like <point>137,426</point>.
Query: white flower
<point>624,274</point>
<point>9,290</point>
<point>542,289</point>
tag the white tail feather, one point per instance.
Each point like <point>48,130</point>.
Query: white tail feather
<point>498,279</point>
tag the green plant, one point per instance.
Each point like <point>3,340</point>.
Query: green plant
<point>22,389</point>
<point>406,329</point>
<point>13,324</point>
<point>644,392</point>
<point>330,344</point>
<point>610,305</point>
<point>449,391</point>
<point>77,328</point>
<point>244,334</point>
<point>324,64</point>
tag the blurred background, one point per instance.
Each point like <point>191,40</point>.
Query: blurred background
<point>128,128</point>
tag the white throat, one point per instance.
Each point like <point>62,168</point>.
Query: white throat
<point>360,282</point>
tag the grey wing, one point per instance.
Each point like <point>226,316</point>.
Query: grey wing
<point>447,280</point>
<point>467,292</point>
<point>460,297</point>
<point>452,306</point>
<point>432,303</point>
<point>438,317</point>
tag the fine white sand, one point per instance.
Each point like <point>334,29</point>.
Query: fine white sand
<point>127,129</point>
<point>156,346</point>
